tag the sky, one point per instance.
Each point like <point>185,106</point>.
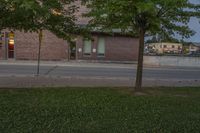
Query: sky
<point>195,25</point>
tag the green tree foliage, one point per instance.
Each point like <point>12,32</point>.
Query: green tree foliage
<point>140,17</point>
<point>57,16</point>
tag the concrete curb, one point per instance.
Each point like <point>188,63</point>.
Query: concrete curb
<point>70,64</point>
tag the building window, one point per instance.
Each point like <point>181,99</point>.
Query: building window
<point>87,47</point>
<point>101,47</point>
<point>173,46</point>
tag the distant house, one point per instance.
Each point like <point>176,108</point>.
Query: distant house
<point>194,47</point>
<point>165,47</point>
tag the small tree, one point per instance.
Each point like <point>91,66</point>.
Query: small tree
<point>57,16</point>
<point>140,17</point>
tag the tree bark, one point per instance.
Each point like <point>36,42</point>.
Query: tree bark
<point>138,83</point>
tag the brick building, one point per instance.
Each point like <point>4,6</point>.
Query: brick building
<point>24,46</point>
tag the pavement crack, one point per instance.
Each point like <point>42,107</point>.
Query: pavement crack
<point>50,70</point>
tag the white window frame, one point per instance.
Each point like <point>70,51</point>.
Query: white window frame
<point>87,53</point>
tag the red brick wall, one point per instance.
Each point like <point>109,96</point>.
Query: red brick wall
<point>1,53</point>
<point>53,48</point>
<point>117,48</point>
<point>79,14</point>
<point>122,48</point>
<point>3,48</point>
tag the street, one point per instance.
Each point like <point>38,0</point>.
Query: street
<point>96,74</point>
<point>128,71</point>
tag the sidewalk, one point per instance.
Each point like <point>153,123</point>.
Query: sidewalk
<point>79,63</point>
<point>92,64</point>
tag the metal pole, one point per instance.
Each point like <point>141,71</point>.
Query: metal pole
<point>76,49</point>
<point>39,51</point>
<point>6,45</point>
<point>69,53</point>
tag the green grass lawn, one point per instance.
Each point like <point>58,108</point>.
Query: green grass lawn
<point>99,110</point>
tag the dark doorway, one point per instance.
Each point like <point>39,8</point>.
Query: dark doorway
<point>11,45</point>
<point>73,51</point>
<point>10,51</point>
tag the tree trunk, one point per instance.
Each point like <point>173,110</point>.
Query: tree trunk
<point>39,51</point>
<point>138,83</point>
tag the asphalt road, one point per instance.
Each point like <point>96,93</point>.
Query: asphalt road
<point>109,72</point>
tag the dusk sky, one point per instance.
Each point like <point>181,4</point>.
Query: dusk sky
<point>195,25</point>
